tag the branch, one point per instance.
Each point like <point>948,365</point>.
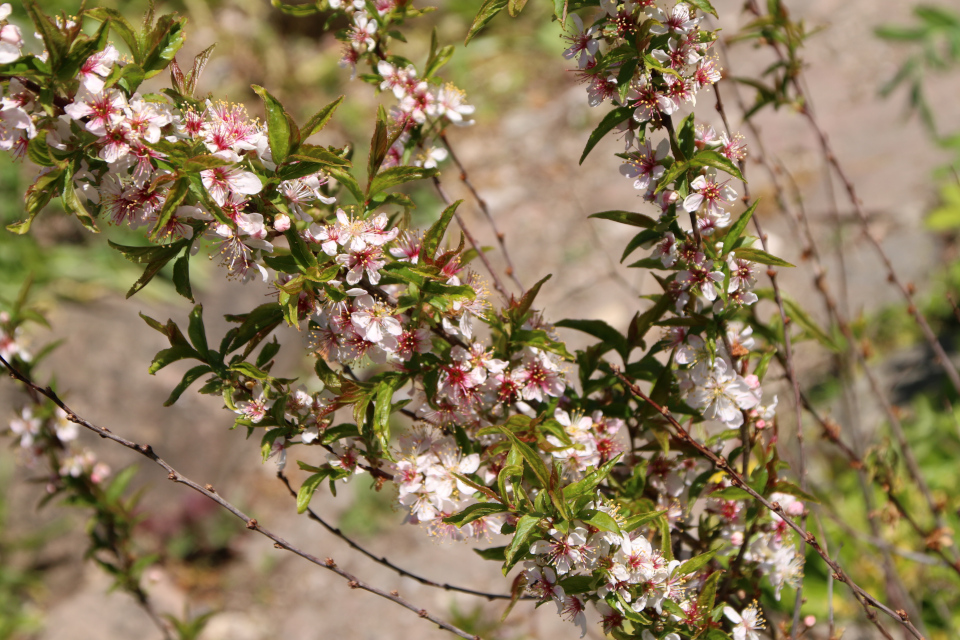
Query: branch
<point>383,560</point>
<point>208,491</point>
<point>865,599</point>
<point>510,271</point>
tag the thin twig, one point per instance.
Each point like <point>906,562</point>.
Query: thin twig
<point>510,271</point>
<point>497,284</point>
<point>385,562</point>
<point>147,451</point>
<point>866,599</point>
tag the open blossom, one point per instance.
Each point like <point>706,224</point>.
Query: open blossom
<point>745,624</point>
<point>645,165</point>
<point>721,394</point>
<point>705,189</point>
<point>583,44</point>
<point>97,67</point>
<point>220,181</point>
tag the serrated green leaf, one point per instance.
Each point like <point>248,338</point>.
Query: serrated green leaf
<point>639,520</point>
<point>344,177</point>
<point>181,276</point>
<point>175,196</point>
<point>279,132</point>
<point>783,486</point>
<point>703,5</point>
<point>308,488</point>
<point>488,10</point>
<point>626,217</point>
<point>189,378</point>
<point>737,229</point>
<point>758,255</point>
<point>711,158</point>
<point>434,235</point>
<point>606,125</point>
<point>475,512</point>
<point>320,119</point>
<point>526,527</point>
<point>601,331</point>
<point>696,563</point>
<point>398,175</point>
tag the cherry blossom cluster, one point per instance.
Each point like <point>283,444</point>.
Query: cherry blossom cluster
<point>582,483</point>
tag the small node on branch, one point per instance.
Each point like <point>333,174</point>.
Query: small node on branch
<point>903,615</point>
<point>500,236</point>
<point>810,538</point>
<point>277,545</point>
<point>144,448</point>
<point>771,273</point>
<point>252,523</point>
<point>209,487</point>
<point>911,288</point>
<point>508,271</point>
<point>395,593</point>
<point>329,563</point>
<point>423,613</point>
<point>776,506</point>
<point>353,584</point>
<point>912,310</point>
<point>171,476</point>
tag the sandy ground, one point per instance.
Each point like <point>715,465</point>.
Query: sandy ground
<point>524,164</point>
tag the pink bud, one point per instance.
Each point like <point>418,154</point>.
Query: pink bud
<point>810,621</point>
<point>281,223</point>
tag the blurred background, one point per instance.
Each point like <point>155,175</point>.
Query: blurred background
<point>532,120</point>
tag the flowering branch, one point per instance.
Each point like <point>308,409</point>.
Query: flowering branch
<point>251,523</point>
<point>737,480</point>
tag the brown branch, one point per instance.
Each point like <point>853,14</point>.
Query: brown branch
<point>385,562</point>
<point>465,179</point>
<point>251,523</point>
<point>497,284</point>
<point>737,480</point>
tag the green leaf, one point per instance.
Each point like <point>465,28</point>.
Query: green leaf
<point>308,488</point>
<point>72,204</point>
<point>120,26</point>
<point>526,301</point>
<point>181,276</point>
<point>344,177</point>
<point>677,169</point>
<point>603,521</point>
<point>737,229</point>
<point>708,593</point>
<point>710,158</point>
<point>514,7</point>
<point>54,40</point>
<point>301,253</point>
<point>590,481</point>
<point>249,370</point>
<point>196,331</point>
<point>696,563</point>
<point>530,456</point>
<point>488,10</point>
<point>200,163</point>
<point>320,119</point>
<point>189,378</point>
<point>606,125</point>
<point>602,331</point>
<point>261,320</point>
<point>797,314</point>
<point>703,5</point>
<point>758,255</point>
<point>475,512</point>
<point>161,257</point>
<point>162,43</point>
<point>626,217</point>
<point>433,236</point>
<point>398,175</point>
<point>526,527</point>
<point>638,521</point>
<point>687,138</point>
<point>379,145</point>
<point>494,553</point>
<point>540,339</point>
<point>175,196</point>
<point>783,486</point>
<point>279,132</point>
<point>731,493</point>
<point>297,10</point>
<point>171,355</point>
<point>383,402</point>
